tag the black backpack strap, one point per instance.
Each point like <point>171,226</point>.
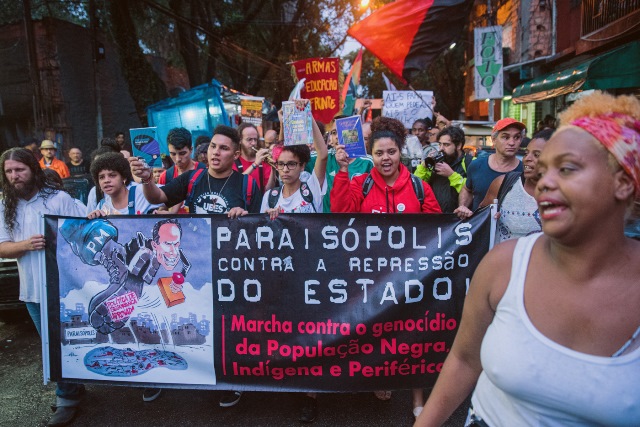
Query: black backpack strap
<point>418,188</point>
<point>194,178</point>
<point>274,196</point>
<point>307,195</point>
<point>510,178</point>
<point>367,185</point>
<point>239,165</point>
<point>168,175</point>
<point>131,202</point>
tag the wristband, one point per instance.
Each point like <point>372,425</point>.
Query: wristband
<point>254,165</point>
<point>143,182</point>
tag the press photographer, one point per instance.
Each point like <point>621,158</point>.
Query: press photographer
<point>446,171</point>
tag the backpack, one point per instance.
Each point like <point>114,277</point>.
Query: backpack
<point>241,170</point>
<point>172,172</point>
<point>131,205</point>
<point>415,181</point>
<point>196,176</point>
<point>305,191</point>
<point>510,178</point>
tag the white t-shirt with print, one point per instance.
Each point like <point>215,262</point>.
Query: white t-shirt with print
<point>295,203</point>
<point>141,205</point>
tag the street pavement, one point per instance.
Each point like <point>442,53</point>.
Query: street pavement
<point>25,401</point>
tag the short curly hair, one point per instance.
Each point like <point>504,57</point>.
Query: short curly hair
<point>386,127</point>
<point>113,162</point>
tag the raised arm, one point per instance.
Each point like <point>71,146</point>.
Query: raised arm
<point>152,192</point>
<point>462,367</point>
<point>322,154</point>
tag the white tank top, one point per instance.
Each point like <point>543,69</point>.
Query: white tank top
<point>530,380</point>
<point>519,214</point>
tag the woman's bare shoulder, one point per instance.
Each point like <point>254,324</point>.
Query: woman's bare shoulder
<point>494,272</point>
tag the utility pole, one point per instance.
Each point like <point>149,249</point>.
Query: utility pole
<point>93,25</point>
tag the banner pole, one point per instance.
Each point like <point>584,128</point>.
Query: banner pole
<point>44,324</point>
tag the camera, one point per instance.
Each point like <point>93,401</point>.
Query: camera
<point>430,162</point>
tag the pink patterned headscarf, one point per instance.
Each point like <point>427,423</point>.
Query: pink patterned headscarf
<point>620,134</point>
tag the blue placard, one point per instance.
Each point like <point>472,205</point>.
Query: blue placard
<point>350,135</point>
<point>146,146</point>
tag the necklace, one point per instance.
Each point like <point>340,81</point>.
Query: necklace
<point>215,199</point>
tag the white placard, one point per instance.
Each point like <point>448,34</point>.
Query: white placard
<point>407,106</point>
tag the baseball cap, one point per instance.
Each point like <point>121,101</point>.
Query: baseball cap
<point>506,122</point>
<point>47,144</point>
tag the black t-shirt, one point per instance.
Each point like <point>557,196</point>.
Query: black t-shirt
<point>213,195</point>
<point>81,169</point>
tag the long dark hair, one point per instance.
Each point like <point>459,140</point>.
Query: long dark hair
<point>10,197</point>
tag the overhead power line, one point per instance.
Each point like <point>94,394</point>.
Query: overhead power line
<point>214,37</point>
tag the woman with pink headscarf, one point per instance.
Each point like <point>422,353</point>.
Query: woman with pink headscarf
<point>550,328</point>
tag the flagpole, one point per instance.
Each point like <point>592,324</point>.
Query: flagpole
<point>421,98</point>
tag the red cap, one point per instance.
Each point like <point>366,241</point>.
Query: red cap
<point>505,123</point>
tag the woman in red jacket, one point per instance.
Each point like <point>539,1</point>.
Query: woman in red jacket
<point>388,188</point>
<point>391,188</point>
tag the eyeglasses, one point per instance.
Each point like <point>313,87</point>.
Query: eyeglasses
<point>288,165</point>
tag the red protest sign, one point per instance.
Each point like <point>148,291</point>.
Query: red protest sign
<point>321,86</point>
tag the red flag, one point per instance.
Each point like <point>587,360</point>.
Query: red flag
<point>408,34</point>
<point>354,73</point>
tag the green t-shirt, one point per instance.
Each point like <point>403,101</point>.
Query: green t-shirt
<point>357,167</point>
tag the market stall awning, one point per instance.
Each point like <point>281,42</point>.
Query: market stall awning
<point>619,68</point>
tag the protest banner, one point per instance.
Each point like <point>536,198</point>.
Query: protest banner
<point>341,302</point>
<point>146,145</point>
<point>251,111</point>
<point>321,86</point>
<point>407,106</point>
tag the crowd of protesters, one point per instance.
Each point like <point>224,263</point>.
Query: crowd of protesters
<point>585,164</point>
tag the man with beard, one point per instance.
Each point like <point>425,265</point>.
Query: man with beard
<point>252,159</point>
<point>449,175</point>
<point>27,195</point>
<point>49,161</point>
